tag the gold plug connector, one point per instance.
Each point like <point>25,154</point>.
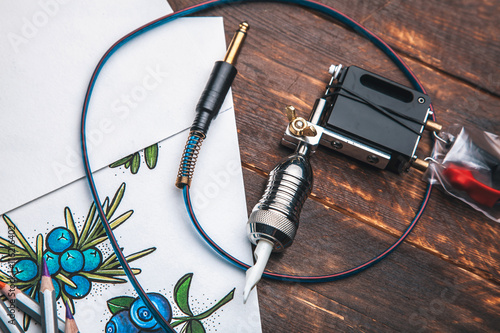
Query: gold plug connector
<point>234,47</point>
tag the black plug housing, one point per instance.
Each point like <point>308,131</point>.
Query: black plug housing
<point>213,96</point>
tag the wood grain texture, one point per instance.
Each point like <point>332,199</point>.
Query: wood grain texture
<point>446,276</point>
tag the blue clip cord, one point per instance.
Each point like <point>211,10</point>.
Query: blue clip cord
<point>324,9</point>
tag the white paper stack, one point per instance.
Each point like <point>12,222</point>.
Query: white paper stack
<point>146,93</point>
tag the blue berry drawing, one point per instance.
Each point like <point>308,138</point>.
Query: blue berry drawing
<point>133,161</point>
<point>74,257</point>
<point>129,314</point>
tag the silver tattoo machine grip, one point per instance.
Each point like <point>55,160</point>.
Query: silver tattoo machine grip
<point>276,216</point>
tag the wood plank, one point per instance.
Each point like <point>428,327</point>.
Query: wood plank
<point>313,312</point>
<point>411,290</point>
<point>446,276</point>
<point>381,198</point>
<point>433,30</point>
<point>459,38</point>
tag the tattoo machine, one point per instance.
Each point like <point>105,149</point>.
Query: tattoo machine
<point>362,115</point>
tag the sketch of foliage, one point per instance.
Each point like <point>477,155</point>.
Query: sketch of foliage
<point>133,161</point>
<point>131,315</point>
<point>73,257</point>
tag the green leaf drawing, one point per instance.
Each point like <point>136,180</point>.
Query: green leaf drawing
<point>94,242</point>
<point>136,163</point>
<point>207,313</point>
<point>70,223</point>
<point>116,271</point>
<point>86,225</point>
<point>4,277</point>
<point>181,293</point>
<point>12,248</point>
<point>121,161</point>
<point>39,250</point>
<point>133,161</point>
<point>194,326</point>
<point>19,236</point>
<point>116,201</point>
<point>94,231</point>
<point>120,303</point>
<point>217,306</point>
<point>63,278</point>
<point>151,156</point>
<point>112,261</point>
<point>102,278</point>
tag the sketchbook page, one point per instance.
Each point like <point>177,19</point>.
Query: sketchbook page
<point>146,92</point>
<point>49,50</point>
<point>156,235</point>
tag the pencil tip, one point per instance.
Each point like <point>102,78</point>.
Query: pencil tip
<point>69,315</point>
<point>2,284</point>
<point>45,269</point>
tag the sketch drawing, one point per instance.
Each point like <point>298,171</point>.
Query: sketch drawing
<point>74,258</point>
<point>133,161</point>
<point>131,315</point>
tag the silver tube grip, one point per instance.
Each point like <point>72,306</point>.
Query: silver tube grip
<point>276,216</point>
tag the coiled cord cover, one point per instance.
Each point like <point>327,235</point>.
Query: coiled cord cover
<point>189,158</point>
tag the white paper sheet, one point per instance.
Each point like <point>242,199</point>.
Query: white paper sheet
<point>159,221</point>
<point>147,92</point>
<point>49,50</point>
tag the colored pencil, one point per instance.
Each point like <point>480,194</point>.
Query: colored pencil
<point>70,322</point>
<point>8,322</point>
<point>26,304</point>
<point>48,301</point>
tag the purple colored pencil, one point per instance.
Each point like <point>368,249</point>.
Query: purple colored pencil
<point>70,322</point>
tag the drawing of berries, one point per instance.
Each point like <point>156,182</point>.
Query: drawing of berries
<point>131,315</point>
<point>73,257</point>
<point>25,270</point>
<point>59,239</point>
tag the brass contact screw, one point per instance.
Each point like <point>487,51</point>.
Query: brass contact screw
<point>298,125</point>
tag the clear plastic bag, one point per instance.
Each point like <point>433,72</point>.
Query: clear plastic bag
<point>466,164</point>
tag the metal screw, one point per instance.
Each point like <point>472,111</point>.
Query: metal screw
<point>337,144</point>
<point>334,70</point>
<point>373,159</point>
<point>421,100</point>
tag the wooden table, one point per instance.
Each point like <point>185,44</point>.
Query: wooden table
<point>446,276</point>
